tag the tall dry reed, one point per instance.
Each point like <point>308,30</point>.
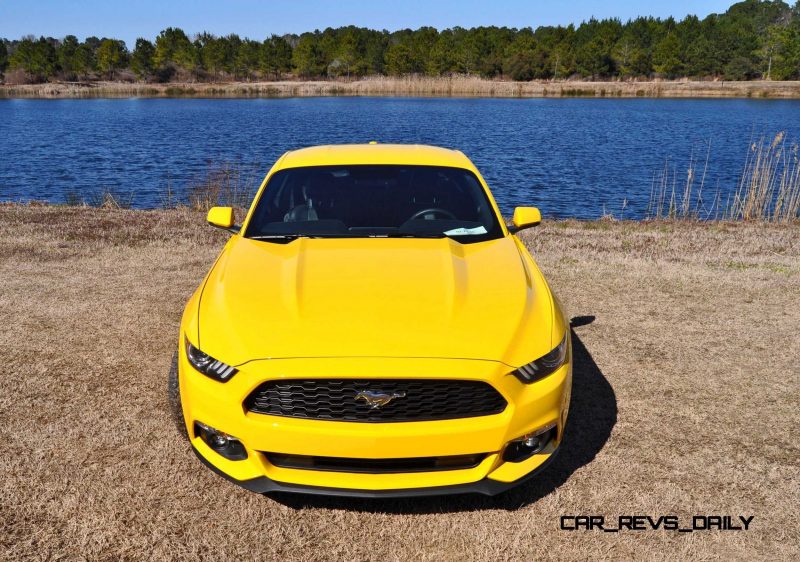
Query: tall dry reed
<point>768,188</point>
<point>229,185</point>
<point>674,198</point>
<point>411,85</point>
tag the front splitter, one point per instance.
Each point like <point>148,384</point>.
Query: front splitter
<point>486,487</point>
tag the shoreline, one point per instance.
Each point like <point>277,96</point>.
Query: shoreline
<point>409,87</point>
<point>603,222</point>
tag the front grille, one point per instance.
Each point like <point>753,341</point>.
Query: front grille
<point>375,466</point>
<point>414,399</point>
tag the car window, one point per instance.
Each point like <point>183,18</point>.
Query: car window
<point>374,201</point>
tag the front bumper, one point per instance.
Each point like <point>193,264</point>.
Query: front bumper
<point>485,487</point>
<point>220,405</point>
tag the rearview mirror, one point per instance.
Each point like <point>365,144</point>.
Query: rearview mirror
<point>221,217</point>
<point>525,217</point>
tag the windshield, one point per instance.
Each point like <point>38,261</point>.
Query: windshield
<point>374,201</point>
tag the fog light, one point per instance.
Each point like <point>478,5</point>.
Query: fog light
<point>222,443</point>
<point>218,441</point>
<point>531,443</point>
<point>526,446</point>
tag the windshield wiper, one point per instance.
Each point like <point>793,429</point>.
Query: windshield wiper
<point>410,235</point>
<point>276,236</point>
<point>291,237</point>
<point>295,236</point>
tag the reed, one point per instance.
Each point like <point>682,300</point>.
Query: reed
<point>104,198</point>
<point>412,85</point>
<point>768,188</point>
<point>227,184</point>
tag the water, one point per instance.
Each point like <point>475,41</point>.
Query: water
<point>570,157</point>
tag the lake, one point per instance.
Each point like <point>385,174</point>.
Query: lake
<point>571,157</point>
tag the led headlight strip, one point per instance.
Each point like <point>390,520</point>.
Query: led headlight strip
<point>207,365</point>
<point>545,365</point>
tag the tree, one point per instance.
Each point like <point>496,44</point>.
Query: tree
<point>232,45</point>
<point>214,52</point>
<point>564,55</point>
<point>37,58</point>
<point>740,68</point>
<point>666,56</point>
<point>111,56</point>
<point>276,56</point>
<point>630,55</point>
<point>142,58</point>
<point>593,43</point>
<point>420,44</point>
<point>752,39</point>
<point>700,58</point>
<point>465,52</point>
<point>83,61</point>
<point>786,58</point>
<point>173,49</point>
<point>306,56</point>
<point>398,60</point>
<point>520,62</point>
<point>248,59</point>
<point>767,51</point>
<point>441,59</point>
<point>66,55</point>
<point>347,52</point>
<point>374,49</point>
<point>520,66</point>
<point>3,56</point>
<point>594,59</point>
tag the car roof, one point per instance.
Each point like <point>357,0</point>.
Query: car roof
<point>374,153</point>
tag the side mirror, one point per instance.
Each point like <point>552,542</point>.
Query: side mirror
<point>525,217</point>
<point>221,217</point>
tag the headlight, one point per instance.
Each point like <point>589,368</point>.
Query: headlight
<point>207,365</point>
<point>545,365</point>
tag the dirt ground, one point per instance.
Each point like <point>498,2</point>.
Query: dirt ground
<point>686,402</point>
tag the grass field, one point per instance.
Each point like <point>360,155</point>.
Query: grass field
<point>686,402</point>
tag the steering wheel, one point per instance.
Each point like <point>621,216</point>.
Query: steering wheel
<point>433,211</point>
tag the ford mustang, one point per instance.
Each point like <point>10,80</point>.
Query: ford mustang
<point>373,328</point>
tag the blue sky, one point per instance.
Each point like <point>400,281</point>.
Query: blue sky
<point>130,19</point>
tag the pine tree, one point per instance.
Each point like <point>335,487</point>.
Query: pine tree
<point>111,56</point>
<point>66,55</point>
<point>173,48</point>
<point>142,58</point>
<point>3,56</point>
<point>666,56</point>
<point>37,58</point>
<point>306,56</point>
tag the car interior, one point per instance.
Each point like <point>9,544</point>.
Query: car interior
<point>372,199</point>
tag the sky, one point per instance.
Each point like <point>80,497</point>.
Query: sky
<point>129,19</point>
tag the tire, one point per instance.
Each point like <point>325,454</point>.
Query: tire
<point>174,397</point>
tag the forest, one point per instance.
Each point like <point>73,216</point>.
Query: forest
<point>752,40</point>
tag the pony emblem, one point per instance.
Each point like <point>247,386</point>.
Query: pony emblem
<point>376,399</point>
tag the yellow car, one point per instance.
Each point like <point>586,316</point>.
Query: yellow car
<point>373,328</point>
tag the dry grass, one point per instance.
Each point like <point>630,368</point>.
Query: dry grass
<point>227,184</point>
<point>686,402</point>
<point>770,184</point>
<point>463,86</point>
<point>768,188</point>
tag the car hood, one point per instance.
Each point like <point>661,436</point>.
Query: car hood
<point>375,297</point>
